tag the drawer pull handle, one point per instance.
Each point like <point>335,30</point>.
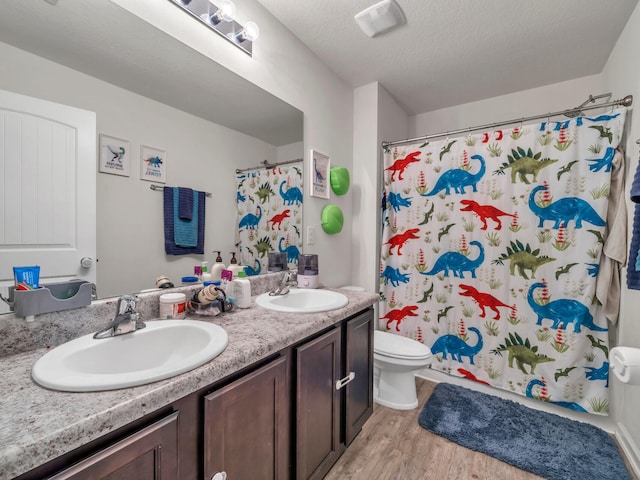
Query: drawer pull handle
<point>345,380</point>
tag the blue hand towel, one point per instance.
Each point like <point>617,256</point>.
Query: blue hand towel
<point>186,198</point>
<point>185,232</point>
<point>170,246</point>
<point>633,268</point>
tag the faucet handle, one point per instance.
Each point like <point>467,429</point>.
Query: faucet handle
<point>127,304</point>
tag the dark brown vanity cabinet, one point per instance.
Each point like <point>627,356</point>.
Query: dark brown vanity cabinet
<point>246,426</point>
<point>334,393</point>
<point>151,453</point>
<point>290,417</point>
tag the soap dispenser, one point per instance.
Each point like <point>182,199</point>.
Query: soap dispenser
<point>216,269</point>
<point>233,265</point>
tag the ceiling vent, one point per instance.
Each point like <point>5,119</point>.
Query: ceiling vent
<point>380,18</point>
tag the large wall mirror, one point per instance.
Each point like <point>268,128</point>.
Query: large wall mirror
<point>150,90</point>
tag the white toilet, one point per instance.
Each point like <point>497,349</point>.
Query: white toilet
<point>395,361</point>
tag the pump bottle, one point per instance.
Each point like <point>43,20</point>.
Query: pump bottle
<point>216,269</point>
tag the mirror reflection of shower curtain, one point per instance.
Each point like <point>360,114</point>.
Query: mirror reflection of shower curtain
<point>269,216</point>
<point>491,253</point>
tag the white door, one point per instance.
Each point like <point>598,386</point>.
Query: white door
<point>48,189</point>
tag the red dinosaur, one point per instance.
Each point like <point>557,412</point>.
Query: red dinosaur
<point>400,239</point>
<point>484,300</point>
<point>402,163</point>
<point>484,212</point>
<point>398,315</point>
<point>467,374</point>
<point>277,219</point>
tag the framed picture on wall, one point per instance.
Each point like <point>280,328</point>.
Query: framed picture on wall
<point>114,156</point>
<point>319,174</point>
<point>153,164</point>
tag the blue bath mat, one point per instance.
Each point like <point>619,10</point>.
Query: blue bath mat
<point>542,443</point>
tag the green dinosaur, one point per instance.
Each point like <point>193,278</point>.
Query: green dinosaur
<point>522,352</point>
<point>264,192</point>
<point>524,163</point>
<point>442,313</point>
<point>263,246</point>
<point>524,258</point>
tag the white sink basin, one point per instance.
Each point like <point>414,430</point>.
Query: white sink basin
<point>165,348</point>
<point>303,300</point>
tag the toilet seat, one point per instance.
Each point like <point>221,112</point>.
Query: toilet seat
<point>394,346</point>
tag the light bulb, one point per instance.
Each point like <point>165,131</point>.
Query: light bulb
<point>226,12</point>
<point>250,32</point>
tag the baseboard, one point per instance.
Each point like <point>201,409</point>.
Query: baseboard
<point>629,447</point>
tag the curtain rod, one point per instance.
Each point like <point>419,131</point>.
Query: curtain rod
<point>569,112</point>
<point>266,164</point>
<point>160,188</point>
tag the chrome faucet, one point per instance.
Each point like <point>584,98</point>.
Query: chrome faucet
<point>289,279</point>
<point>127,320</point>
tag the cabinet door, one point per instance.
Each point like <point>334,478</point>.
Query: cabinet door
<point>318,406</point>
<point>246,426</point>
<point>150,454</point>
<point>359,360</point>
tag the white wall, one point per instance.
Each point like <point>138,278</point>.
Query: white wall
<point>377,117</point>
<point>286,68</point>
<point>200,155</point>
<point>622,77</point>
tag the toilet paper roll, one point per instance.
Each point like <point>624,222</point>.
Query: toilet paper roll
<point>625,363</point>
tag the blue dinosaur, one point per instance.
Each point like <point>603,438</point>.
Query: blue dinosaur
<point>603,118</point>
<point>397,201</point>
<point>251,271</point>
<point>456,347</point>
<point>290,196</point>
<point>563,312</point>
<point>571,405</point>
<point>394,276</point>
<point>154,161</point>
<point>457,263</point>
<point>562,211</point>
<point>593,269</point>
<point>458,179</point>
<point>241,198</point>
<point>291,251</point>
<point>601,373</point>
<point>250,221</point>
<point>605,162</point>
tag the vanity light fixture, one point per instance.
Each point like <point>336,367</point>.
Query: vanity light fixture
<point>220,18</point>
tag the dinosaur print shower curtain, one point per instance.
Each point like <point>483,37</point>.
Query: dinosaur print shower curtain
<point>269,215</point>
<point>491,246</point>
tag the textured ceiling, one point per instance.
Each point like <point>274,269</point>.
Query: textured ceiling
<point>456,51</point>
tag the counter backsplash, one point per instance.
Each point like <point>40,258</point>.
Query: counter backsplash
<point>52,329</point>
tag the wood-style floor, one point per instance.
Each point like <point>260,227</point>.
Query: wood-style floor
<point>393,446</point>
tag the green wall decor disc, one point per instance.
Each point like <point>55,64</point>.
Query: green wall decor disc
<point>340,180</point>
<point>332,219</point>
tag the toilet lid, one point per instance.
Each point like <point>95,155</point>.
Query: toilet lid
<point>397,346</point>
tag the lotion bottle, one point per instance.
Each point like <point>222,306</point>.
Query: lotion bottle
<point>241,290</point>
<point>216,269</point>
<point>233,265</point>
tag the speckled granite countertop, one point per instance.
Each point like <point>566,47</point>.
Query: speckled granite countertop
<point>40,424</point>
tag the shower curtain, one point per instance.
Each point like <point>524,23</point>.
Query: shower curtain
<point>490,252</point>
<point>269,215</point>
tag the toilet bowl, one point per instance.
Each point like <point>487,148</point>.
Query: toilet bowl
<point>395,361</point>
